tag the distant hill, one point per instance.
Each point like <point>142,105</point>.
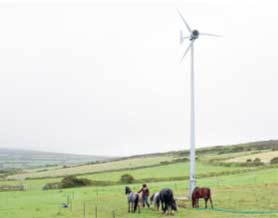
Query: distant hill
<point>219,149</point>
<point>19,158</point>
<point>15,158</point>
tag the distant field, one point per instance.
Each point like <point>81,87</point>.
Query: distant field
<point>160,172</point>
<point>264,156</point>
<point>165,171</point>
<point>93,168</point>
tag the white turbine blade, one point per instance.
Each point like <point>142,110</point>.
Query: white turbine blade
<point>186,50</point>
<point>210,34</point>
<point>186,24</point>
<point>182,38</point>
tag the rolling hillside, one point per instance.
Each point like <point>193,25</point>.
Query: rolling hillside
<point>214,160</point>
<point>16,158</point>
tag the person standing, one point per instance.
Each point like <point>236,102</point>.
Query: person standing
<point>145,195</point>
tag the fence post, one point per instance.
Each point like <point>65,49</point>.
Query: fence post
<point>68,200</point>
<point>97,195</point>
<point>84,209</point>
<point>95,211</point>
<point>71,205</point>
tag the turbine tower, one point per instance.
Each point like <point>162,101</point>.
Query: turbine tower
<point>193,35</point>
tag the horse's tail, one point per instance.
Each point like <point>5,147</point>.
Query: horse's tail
<point>209,193</point>
<point>210,198</point>
<point>136,204</point>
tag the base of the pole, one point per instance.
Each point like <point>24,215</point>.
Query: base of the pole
<point>192,185</point>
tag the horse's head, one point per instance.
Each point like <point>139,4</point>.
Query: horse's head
<point>174,205</point>
<point>151,198</point>
<point>195,189</point>
<point>127,190</point>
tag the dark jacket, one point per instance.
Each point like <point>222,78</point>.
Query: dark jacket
<point>145,191</point>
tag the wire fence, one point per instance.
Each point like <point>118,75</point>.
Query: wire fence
<point>90,209</point>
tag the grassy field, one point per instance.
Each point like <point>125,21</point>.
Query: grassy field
<point>174,171</point>
<point>264,156</point>
<point>236,188</point>
<point>248,191</point>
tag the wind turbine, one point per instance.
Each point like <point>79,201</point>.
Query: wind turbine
<point>193,35</point>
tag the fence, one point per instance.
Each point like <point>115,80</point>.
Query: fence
<point>12,188</point>
<point>91,209</point>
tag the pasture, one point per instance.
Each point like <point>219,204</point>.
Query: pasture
<point>237,191</point>
<point>242,192</point>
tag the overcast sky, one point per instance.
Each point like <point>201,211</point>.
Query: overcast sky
<point>105,78</point>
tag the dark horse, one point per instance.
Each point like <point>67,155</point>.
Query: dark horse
<point>132,199</point>
<point>201,193</point>
<point>166,197</point>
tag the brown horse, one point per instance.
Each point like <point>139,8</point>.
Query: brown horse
<point>201,193</point>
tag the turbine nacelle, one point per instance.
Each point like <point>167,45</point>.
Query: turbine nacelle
<point>194,35</point>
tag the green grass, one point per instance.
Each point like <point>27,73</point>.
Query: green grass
<point>249,191</point>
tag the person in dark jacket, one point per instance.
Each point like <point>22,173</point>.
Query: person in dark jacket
<point>145,195</point>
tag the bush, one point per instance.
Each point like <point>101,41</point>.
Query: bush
<point>274,160</point>
<point>127,179</point>
<point>179,160</point>
<point>54,185</point>
<point>248,160</point>
<point>73,181</point>
<point>257,162</point>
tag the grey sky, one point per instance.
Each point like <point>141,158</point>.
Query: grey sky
<point>105,78</point>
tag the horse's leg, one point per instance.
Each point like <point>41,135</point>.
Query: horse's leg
<point>129,206</point>
<point>167,209</point>
<point>132,207</point>
<point>197,202</point>
<point>163,207</point>
<point>206,203</point>
<point>193,202</point>
<point>211,204</point>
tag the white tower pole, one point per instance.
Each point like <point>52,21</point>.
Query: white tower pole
<point>192,181</point>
